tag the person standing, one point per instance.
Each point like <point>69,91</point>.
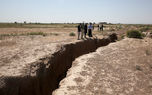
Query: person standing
<point>90,27</point>
<point>102,27</point>
<point>85,29</point>
<point>79,31</point>
<point>98,27</point>
<point>82,30</point>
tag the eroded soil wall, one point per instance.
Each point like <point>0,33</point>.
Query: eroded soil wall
<point>44,75</point>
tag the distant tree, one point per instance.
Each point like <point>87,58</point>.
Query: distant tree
<point>24,22</point>
<point>15,22</point>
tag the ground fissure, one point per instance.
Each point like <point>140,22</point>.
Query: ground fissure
<point>43,76</point>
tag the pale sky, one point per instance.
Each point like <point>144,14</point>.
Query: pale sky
<point>47,11</point>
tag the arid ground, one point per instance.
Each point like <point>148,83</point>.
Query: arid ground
<point>121,68</point>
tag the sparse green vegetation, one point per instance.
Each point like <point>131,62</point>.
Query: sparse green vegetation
<point>143,35</point>
<point>24,34</point>
<point>144,29</point>
<point>3,35</point>
<point>1,38</point>
<point>6,35</point>
<point>134,34</point>
<point>55,34</point>
<point>138,68</point>
<point>37,33</point>
<point>122,36</point>
<point>72,34</point>
<point>150,66</point>
<point>36,25</point>
<point>147,52</point>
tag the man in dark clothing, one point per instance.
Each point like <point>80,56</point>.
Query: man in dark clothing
<point>98,27</point>
<point>85,29</point>
<point>79,30</point>
<point>90,28</point>
<point>102,27</point>
<point>82,30</point>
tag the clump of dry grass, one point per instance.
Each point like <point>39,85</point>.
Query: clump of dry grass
<point>134,34</point>
<point>145,29</point>
<point>55,34</point>
<point>138,68</point>
<point>72,34</point>
<point>147,52</point>
<point>24,34</point>
<point>36,33</point>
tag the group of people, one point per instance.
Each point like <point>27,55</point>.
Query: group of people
<point>83,29</point>
<point>100,27</point>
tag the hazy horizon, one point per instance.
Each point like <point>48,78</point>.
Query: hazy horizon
<point>76,11</point>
